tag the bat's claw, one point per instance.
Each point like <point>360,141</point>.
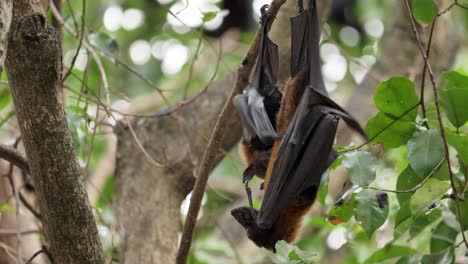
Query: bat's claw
<point>264,16</point>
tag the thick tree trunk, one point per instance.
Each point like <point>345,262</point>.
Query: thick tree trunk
<point>148,197</point>
<point>34,69</point>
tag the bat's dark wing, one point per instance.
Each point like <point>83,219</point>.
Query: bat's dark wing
<point>305,38</point>
<point>315,77</point>
<point>304,155</point>
<point>299,40</point>
<point>259,105</point>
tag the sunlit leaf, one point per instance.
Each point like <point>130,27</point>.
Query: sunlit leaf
<point>424,11</point>
<point>388,132</point>
<point>396,96</point>
<point>369,212</point>
<point>428,194</point>
<point>425,151</point>
<point>208,16</point>
<point>388,252</point>
<point>361,167</point>
<point>453,96</point>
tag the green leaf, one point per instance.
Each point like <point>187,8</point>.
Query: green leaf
<point>414,259</point>
<point>388,252</point>
<point>5,98</point>
<point>390,136</point>
<point>282,254</point>
<point>104,42</point>
<point>208,16</point>
<point>447,256</point>
<point>403,214</point>
<point>396,96</point>
<point>361,167</point>
<point>423,220</point>
<point>463,210</point>
<point>443,237</point>
<point>407,180</point>
<point>343,211</point>
<point>425,151</point>
<point>429,193</point>
<point>323,189</point>
<point>6,208</point>
<point>460,143</point>
<point>453,97</point>
<point>369,212</point>
<point>424,11</point>
<point>289,254</point>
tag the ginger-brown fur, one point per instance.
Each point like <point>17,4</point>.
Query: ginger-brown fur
<point>256,158</point>
<point>289,222</point>
<point>294,88</point>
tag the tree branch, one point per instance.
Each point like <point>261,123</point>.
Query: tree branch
<point>34,69</point>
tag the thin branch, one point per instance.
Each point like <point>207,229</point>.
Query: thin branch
<point>207,163</point>
<point>415,188</point>
<point>92,50</point>
<point>102,71</point>
<point>423,80</point>
<point>439,118</point>
<point>14,157</point>
<point>13,231</point>
<point>382,130</point>
<point>80,41</point>
<point>195,57</point>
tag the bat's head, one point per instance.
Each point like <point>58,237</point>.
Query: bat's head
<point>262,237</point>
<point>246,216</point>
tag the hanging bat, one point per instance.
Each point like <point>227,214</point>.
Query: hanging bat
<point>258,107</point>
<point>305,151</point>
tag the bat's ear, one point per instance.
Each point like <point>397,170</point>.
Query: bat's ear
<point>246,216</point>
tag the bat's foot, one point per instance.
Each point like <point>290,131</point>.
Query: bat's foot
<point>263,14</point>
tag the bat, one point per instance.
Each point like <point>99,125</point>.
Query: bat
<point>258,107</point>
<point>305,151</point>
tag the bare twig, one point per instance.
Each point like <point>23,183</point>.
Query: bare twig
<point>206,165</point>
<point>80,41</point>
<point>439,118</point>
<point>415,188</point>
<point>13,231</point>
<point>14,157</point>
<point>423,80</point>
<point>97,59</point>
<point>382,130</point>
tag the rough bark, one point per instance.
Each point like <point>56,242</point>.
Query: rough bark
<point>33,66</point>
<point>148,197</point>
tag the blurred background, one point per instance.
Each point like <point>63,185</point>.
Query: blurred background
<point>156,53</point>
